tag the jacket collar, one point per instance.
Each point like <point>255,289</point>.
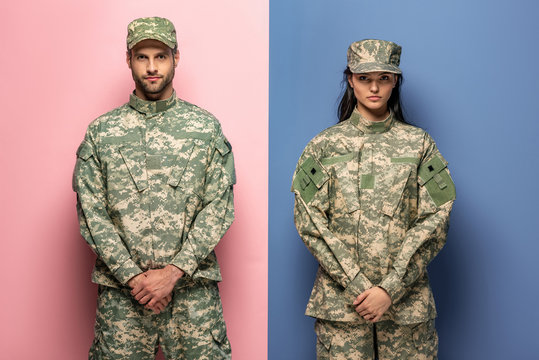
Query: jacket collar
<point>371,127</point>
<point>151,107</point>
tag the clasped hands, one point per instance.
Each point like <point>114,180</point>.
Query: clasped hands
<point>372,304</point>
<point>153,288</point>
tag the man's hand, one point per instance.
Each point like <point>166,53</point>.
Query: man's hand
<point>154,285</point>
<point>372,304</point>
<point>160,305</point>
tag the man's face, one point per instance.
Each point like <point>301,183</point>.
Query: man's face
<point>152,65</point>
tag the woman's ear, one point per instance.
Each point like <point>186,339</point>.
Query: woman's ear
<point>350,81</point>
<point>395,78</point>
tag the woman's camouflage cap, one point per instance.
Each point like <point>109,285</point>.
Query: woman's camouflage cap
<point>374,55</point>
<point>155,28</point>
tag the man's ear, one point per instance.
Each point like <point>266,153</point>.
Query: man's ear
<point>128,58</point>
<point>176,58</point>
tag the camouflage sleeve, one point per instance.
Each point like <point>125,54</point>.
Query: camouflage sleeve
<point>95,223</point>
<point>311,205</point>
<point>426,238</point>
<point>217,214</point>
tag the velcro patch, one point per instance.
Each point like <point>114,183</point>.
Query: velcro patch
<point>309,179</point>
<point>436,179</point>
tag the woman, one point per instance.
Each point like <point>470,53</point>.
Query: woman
<point>373,198</point>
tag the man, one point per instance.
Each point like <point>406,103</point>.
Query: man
<point>154,184</point>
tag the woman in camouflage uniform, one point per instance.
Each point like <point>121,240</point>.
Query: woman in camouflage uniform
<point>373,198</point>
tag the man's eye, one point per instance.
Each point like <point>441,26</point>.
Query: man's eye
<point>141,57</point>
<point>162,57</point>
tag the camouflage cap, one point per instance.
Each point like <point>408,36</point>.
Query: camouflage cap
<point>155,28</point>
<point>374,55</point>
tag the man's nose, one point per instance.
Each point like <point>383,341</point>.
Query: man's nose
<point>151,67</point>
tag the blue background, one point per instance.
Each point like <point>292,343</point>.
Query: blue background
<point>472,81</point>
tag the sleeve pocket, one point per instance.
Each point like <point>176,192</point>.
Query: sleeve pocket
<point>309,179</point>
<point>435,176</point>
<point>84,151</point>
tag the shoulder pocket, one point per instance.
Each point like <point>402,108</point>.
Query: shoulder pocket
<point>434,176</point>
<point>309,179</point>
<point>223,146</point>
<point>84,151</point>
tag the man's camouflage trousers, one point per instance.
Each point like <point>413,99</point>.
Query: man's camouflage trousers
<point>384,340</point>
<point>190,327</point>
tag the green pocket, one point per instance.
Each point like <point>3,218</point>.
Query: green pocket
<point>309,179</point>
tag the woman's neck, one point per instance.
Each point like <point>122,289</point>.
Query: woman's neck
<point>374,114</point>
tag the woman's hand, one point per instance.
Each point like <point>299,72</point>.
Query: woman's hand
<point>372,304</point>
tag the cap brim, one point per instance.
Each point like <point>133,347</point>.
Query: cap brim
<point>372,67</point>
<point>150,37</point>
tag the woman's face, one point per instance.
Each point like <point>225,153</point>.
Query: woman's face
<point>372,91</point>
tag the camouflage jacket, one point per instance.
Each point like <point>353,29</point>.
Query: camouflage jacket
<point>372,205</point>
<point>154,187</point>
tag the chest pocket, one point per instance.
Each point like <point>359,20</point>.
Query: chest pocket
<point>396,179</point>
<point>345,179</point>
<point>125,171</point>
<point>135,160</point>
<point>178,169</point>
<point>189,169</point>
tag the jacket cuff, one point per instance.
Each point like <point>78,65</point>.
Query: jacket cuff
<point>359,284</point>
<point>392,283</point>
<point>126,271</point>
<point>186,261</point>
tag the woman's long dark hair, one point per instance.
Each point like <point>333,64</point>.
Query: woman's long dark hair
<point>348,101</point>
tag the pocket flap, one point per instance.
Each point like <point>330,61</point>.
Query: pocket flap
<point>309,179</point>
<point>431,168</point>
<point>315,172</point>
<point>177,170</point>
<point>136,164</point>
<point>85,151</point>
<point>394,192</point>
<point>218,332</point>
<point>323,336</point>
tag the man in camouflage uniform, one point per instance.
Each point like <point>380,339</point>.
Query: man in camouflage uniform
<point>154,184</point>
<point>373,200</point>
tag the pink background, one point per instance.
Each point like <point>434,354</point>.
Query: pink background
<point>63,64</point>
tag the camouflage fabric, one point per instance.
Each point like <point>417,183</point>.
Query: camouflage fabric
<point>372,205</point>
<point>190,327</point>
<point>154,184</point>
<point>374,55</point>
<point>384,340</point>
<point>154,187</point>
<point>151,28</point>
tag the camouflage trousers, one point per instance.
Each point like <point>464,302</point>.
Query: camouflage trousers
<point>384,340</point>
<point>190,327</point>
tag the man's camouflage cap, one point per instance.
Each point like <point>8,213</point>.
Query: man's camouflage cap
<point>374,55</point>
<point>155,28</point>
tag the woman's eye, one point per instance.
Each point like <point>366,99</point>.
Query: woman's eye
<point>384,78</point>
<point>363,78</point>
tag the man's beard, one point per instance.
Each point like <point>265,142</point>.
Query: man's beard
<point>148,89</point>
